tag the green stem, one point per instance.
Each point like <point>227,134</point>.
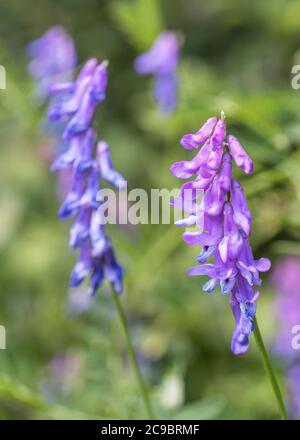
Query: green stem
<point>269,370</point>
<point>132,356</point>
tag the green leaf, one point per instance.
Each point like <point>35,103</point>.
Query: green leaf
<point>140,20</point>
<point>206,409</point>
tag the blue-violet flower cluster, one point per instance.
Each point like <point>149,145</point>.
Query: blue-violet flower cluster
<point>224,220</point>
<point>161,61</point>
<point>89,162</point>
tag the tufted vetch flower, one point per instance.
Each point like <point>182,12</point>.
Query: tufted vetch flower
<point>223,223</point>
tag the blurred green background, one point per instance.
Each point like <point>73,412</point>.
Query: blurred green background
<point>237,56</point>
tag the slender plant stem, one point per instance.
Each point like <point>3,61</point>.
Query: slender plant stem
<point>132,356</point>
<point>269,370</point>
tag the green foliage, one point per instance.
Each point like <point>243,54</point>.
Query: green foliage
<point>140,20</point>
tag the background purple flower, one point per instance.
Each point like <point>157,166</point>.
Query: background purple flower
<point>53,58</point>
<point>88,162</point>
<point>161,61</point>
<point>223,220</point>
<point>286,277</point>
<point>52,61</point>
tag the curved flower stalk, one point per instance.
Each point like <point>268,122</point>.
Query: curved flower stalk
<point>88,163</point>
<point>224,223</point>
<point>287,309</point>
<point>53,58</point>
<point>161,61</point>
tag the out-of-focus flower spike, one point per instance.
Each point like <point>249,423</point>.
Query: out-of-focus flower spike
<point>88,165</point>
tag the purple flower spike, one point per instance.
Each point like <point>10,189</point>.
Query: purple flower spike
<point>223,220</point>
<point>161,61</point>
<point>88,165</point>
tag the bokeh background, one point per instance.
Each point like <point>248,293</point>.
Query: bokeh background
<point>65,355</point>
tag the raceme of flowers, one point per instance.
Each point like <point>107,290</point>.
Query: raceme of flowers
<point>161,61</point>
<point>224,222</point>
<point>89,161</point>
<point>285,278</point>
